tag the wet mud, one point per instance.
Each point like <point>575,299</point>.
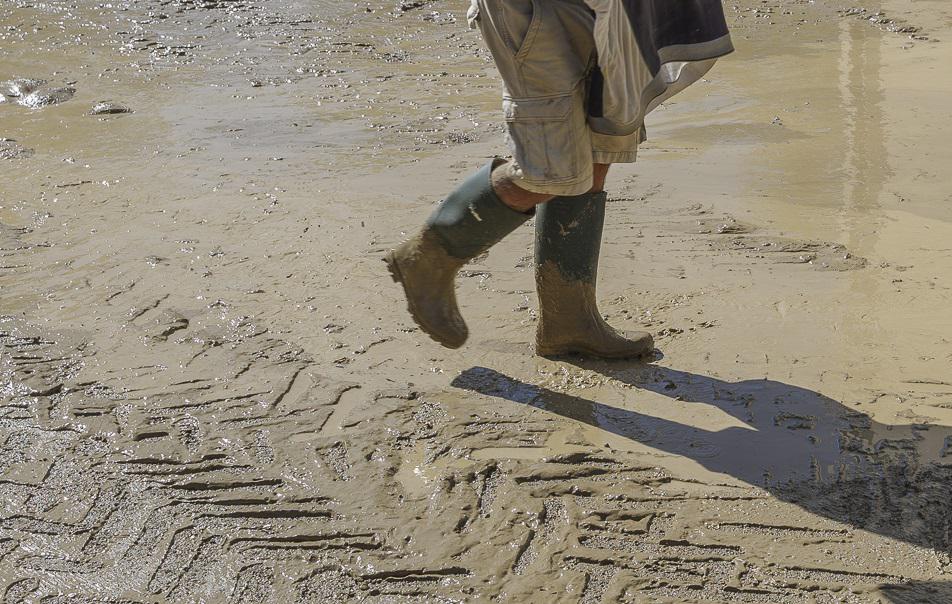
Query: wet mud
<point>34,94</point>
<point>109,108</point>
<point>210,390</point>
<point>9,149</point>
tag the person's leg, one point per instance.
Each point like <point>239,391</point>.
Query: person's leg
<point>543,51</point>
<point>599,175</point>
<point>568,242</point>
<point>522,200</point>
<point>542,68</point>
<point>467,223</point>
<point>513,195</point>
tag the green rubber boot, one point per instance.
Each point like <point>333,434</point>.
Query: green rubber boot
<point>468,222</point>
<point>568,238</point>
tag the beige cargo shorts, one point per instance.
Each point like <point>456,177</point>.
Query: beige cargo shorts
<point>545,53</point>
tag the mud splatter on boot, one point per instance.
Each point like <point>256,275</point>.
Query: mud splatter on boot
<point>468,222</point>
<point>568,241</point>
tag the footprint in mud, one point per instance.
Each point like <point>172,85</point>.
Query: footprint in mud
<point>721,226</point>
<point>34,93</point>
<point>20,87</point>
<point>109,108</point>
<point>46,97</point>
<point>821,255</point>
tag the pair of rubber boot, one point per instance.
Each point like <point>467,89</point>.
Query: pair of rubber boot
<point>568,238</point>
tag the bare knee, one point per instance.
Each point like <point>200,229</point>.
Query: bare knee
<point>512,194</point>
<point>522,200</point>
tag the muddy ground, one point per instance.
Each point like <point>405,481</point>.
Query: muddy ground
<point>210,391</point>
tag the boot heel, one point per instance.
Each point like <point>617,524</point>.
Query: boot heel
<point>392,268</point>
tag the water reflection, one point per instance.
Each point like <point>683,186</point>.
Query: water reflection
<point>801,446</point>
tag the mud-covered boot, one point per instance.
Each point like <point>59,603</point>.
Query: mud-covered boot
<point>466,224</point>
<point>568,239</point>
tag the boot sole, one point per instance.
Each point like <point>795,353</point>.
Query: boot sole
<point>393,267</point>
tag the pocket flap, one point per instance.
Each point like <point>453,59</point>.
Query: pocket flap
<point>540,109</point>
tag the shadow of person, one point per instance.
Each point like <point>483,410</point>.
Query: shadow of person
<point>801,446</point>
<point>918,592</point>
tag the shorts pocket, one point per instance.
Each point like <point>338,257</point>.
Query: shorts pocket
<point>539,109</point>
<point>519,22</point>
<point>548,137</point>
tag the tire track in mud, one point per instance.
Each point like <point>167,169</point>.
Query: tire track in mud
<point>115,491</point>
<point>250,503</point>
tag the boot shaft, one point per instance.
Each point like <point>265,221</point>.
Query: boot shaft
<point>569,236</point>
<point>568,241</point>
<point>472,218</point>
